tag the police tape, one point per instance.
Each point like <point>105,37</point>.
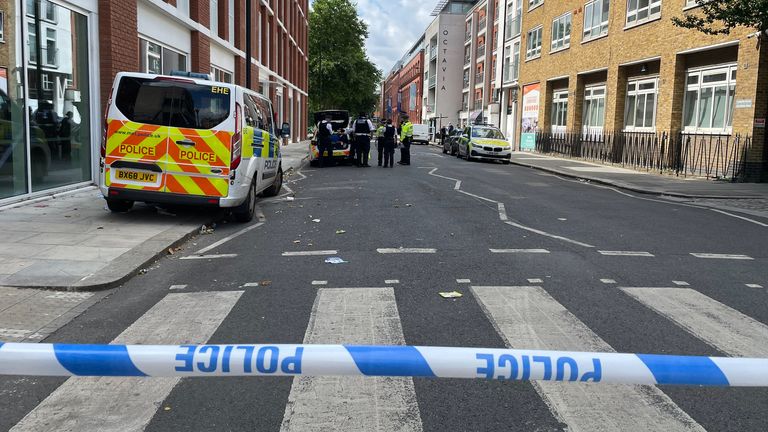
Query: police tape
<point>380,361</point>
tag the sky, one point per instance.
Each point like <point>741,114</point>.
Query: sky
<point>393,26</point>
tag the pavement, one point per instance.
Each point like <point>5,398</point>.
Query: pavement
<point>542,261</point>
<point>71,242</point>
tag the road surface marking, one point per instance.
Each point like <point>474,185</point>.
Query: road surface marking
<point>608,281</point>
<point>681,283</point>
<point>511,251</point>
<point>754,286</point>
<point>288,189</point>
<point>740,217</point>
<point>626,253</point>
<point>722,256</point>
<point>463,281</point>
<point>392,281</point>
<point>535,281</point>
<point>353,316</point>
<point>456,187</point>
<point>299,173</point>
<point>503,212</point>
<point>128,404</point>
<point>230,237</point>
<point>310,253</point>
<point>546,234</point>
<point>251,285</point>
<point>200,257</point>
<point>722,327</point>
<point>177,287</point>
<point>481,198</point>
<point>406,251</point>
<point>319,283</point>
<point>528,317</point>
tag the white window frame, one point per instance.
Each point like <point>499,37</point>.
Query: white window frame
<point>652,11</point>
<point>634,90</point>
<point>593,94</point>
<point>161,55</point>
<point>531,51</point>
<point>231,20</point>
<point>533,4</point>
<point>214,17</point>
<point>560,42</point>
<point>49,38</point>
<point>559,117</point>
<point>220,74</point>
<point>594,30</point>
<point>730,88</point>
<point>47,82</point>
<point>2,26</point>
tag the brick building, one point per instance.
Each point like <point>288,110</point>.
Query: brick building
<point>594,67</point>
<point>59,58</point>
<point>403,87</point>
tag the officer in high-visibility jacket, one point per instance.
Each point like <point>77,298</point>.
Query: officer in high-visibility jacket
<point>380,140</point>
<point>406,136</point>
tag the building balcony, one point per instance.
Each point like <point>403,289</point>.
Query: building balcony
<point>466,83</point>
<point>511,71</point>
<point>513,27</point>
<point>479,78</point>
<point>433,53</point>
<point>478,105</point>
<point>480,51</point>
<point>432,81</point>
<point>467,35</point>
<point>467,59</point>
<point>482,25</point>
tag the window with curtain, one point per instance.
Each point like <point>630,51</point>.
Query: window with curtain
<point>640,105</point>
<point>709,99</point>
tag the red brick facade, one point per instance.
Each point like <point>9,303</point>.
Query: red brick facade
<point>278,48</point>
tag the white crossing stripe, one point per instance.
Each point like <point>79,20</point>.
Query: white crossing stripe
<point>406,251</point>
<point>392,281</point>
<point>754,286</point>
<point>626,253</point>
<point>528,317</point>
<point>128,404</point>
<point>177,287</point>
<point>722,327</point>
<point>201,257</point>
<point>310,253</point>
<point>355,316</point>
<point>722,256</point>
<point>608,281</point>
<point>535,281</point>
<point>681,283</point>
<point>463,281</point>
<point>319,283</point>
<point>511,251</point>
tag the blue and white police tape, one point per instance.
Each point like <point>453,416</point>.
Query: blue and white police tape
<point>403,361</point>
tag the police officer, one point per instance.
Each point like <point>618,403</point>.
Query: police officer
<point>362,129</point>
<point>380,140</point>
<point>324,145</point>
<point>389,136</point>
<point>406,136</point>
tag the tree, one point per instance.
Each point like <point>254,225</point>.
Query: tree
<point>340,74</point>
<point>721,16</point>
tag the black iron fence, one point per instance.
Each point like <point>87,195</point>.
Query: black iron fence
<point>684,154</point>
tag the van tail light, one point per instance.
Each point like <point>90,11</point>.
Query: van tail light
<point>237,139</point>
<point>106,127</point>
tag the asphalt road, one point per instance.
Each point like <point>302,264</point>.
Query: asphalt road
<point>571,250</point>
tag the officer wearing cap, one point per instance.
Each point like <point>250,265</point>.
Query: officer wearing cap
<point>406,136</point>
<point>362,129</point>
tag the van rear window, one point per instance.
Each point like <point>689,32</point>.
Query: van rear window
<point>172,103</point>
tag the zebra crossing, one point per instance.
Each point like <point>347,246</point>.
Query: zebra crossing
<point>524,317</point>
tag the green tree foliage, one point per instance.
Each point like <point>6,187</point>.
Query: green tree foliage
<point>340,74</point>
<point>721,16</point>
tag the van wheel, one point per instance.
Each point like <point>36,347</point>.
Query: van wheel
<point>274,190</point>
<point>245,211</point>
<point>119,206</point>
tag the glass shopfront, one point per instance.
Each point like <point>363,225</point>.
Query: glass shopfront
<point>45,103</point>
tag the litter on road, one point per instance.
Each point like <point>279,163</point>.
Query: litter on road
<point>450,295</point>
<point>340,231</point>
<point>334,260</point>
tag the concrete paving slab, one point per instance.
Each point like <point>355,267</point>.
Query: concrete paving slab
<point>82,253</point>
<point>56,239</point>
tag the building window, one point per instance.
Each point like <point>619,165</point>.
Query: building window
<point>559,111</point>
<point>183,6</point>
<point>533,44</point>
<point>561,32</point>
<point>221,75</point>
<point>709,100</point>
<point>158,59</point>
<point>231,20</point>
<point>596,15</point>
<point>465,101</point>
<point>2,26</point>
<point>32,32</point>
<point>640,105</point>
<point>51,53</point>
<point>534,3</point>
<point>47,83</point>
<point>594,109</point>
<point>214,17</point>
<point>640,11</point>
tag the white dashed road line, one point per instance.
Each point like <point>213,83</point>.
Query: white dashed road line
<point>392,281</point>
<point>310,253</point>
<point>527,251</point>
<point>608,281</point>
<point>627,253</point>
<point>251,285</point>
<point>535,281</point>
<point>200,257</point>
<point>319,283</point>
<point>463,281</point>
<point>406,251</point>
<point>230,237</point>
<point>177,287</point>
<point>722,256</point>
<point>753,286</point>
<point>681,283</point>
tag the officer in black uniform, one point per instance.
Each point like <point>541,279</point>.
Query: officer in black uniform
<point>324,145</point>
<point>389,137</point>
<point>362,129</point>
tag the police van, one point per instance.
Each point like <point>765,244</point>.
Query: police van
<point>188,140</point>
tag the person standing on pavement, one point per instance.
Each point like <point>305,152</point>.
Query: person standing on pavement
<point>363,128</point>
<point>443,132</point>
<point>389,136</point>
<point>380,141</point>
<point>324,144</point>
<point>406,136</point>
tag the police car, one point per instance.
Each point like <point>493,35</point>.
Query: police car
<point>339,122</point>
<point>484,142</point>
<point>188,140</point>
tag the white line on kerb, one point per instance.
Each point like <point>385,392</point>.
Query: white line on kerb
<point>310,253</point>
<point>406,251</point>
<point>626,253</point>
<point>463,281</point>
<point>681,283</point>
<point>231,237</point>
<point>392,281</point>
<point>177,287</point>
<point>319,283</point>
<point>200,257</point>
<point>722,256</point>
<point>511,251</point>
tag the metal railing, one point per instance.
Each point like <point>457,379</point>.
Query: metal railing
<point>511,71</point>
<point>466,82</point>
<point>682,154</point>
<point>481,51</point>
<point>467,35</point>
<point>513,27</point>
<point>432,81</point>
<point>433,53</point>
<point>481,25</point>
<point>479,78</point>
<point>467,58</point>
